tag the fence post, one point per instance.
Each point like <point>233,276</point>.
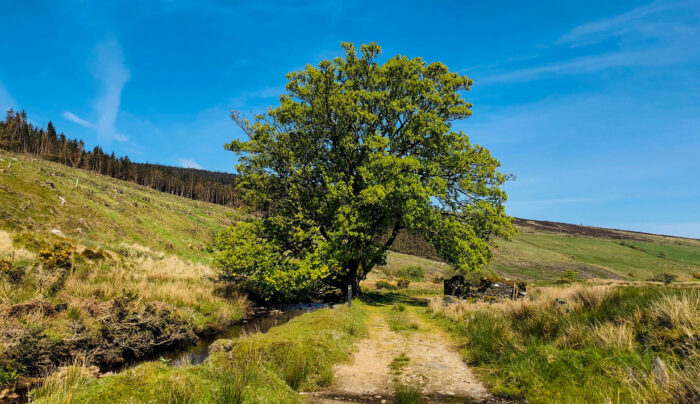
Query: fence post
<point>349,295</point>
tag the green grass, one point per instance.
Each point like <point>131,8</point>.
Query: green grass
<point>268,367</point>
<point>398,364</point>
<point>546,256</point>
<point>400,319</point>
<point>597,347</point>
<point>405,394</point>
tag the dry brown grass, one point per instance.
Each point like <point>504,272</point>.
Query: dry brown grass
<point>577,297</point>
<point>681,312</point>
<point>152,275</point>
<point>615,336</point>
<point>7,249</point>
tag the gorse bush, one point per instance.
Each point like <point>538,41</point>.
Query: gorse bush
<point>11,273</point>
<point>59,255</point>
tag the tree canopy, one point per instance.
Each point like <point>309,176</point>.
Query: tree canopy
<point>355,152</point>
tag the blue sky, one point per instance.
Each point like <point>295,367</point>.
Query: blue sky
<point>594,106</point>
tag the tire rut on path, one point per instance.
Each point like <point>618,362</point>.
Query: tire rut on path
<point>434,364</point>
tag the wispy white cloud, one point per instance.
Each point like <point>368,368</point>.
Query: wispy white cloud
<point>74,118</point>
<point>586,64</point>
<point>635,20</point>
<point>6,99</point>
<point>250,98</point>
<point>189,163</point>
<point>657,34</point>
<point>109,69</point>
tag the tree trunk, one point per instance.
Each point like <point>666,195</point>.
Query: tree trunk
<point>352,278</point>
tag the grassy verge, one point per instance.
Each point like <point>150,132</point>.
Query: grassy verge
<point>584,344</point>
<point>268,367</point>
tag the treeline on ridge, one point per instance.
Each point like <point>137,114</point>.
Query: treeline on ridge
<point>17,135</point>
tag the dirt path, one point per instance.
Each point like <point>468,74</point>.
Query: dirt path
<point>434,364</point>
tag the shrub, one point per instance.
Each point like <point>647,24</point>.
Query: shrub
<point>665,278</point>
<point>662,255</point>
<point>11,273</point>
<point>94,255</point>
<point>245,256</point>
<point>570,275</point>
<point>414,273</point>
<point>403,283</point>
<point>8,376</point>
<point>59,255</point>
<point>29,242</point>
<point>696,275</point>
<point>382,284</point>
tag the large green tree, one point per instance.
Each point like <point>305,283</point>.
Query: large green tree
<point>355,152</point>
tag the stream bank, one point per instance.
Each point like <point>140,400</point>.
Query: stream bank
<point>191,351</point>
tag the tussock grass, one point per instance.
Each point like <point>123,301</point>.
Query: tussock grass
<point>583,343</point>
<point>407,394</point>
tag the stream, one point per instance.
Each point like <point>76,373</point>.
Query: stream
<point>197,353</point>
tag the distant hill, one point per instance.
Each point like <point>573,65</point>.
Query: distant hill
<point>546,250</point>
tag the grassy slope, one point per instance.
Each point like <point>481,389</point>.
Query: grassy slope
<point>541,255</point>
<point>101,210</point>
<point>149,243</point>
<point>544,253</point>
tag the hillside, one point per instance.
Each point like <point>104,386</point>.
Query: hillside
<point>97,268</point>
<point>39,196</point>
<point>544,251</point>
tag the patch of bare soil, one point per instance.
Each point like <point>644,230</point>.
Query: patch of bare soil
<point>434,364</point>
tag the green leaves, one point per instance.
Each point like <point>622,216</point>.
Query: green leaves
<point>357,151</point>
<point>245,255</point>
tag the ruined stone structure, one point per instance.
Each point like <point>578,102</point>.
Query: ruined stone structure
<point>485,289</point>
